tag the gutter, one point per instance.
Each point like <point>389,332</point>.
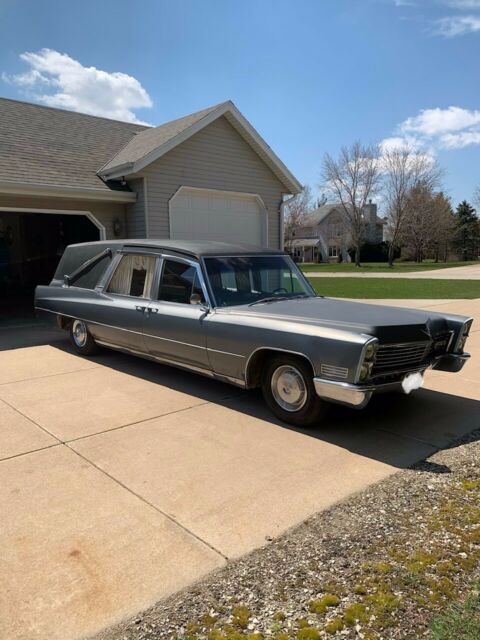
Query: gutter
<point>61,191</point>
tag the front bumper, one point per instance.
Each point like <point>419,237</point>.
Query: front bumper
<point>358,395</point>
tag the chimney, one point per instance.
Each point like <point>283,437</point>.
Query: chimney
<point>371,220</point>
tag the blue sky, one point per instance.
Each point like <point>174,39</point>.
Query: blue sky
<point>310,75</point>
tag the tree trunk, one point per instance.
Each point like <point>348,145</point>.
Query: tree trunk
<point>391,251</point>
<point>357,255</point>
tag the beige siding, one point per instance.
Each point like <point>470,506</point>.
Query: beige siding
<point>104,212</point>
<point>216,157</point>
<point>136,212</point>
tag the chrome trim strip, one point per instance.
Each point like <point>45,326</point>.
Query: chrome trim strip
<point>179,365</point>
<point>110,326</point>
<point>227,353</point>
<point>147,335</point>
<point>295,353</point>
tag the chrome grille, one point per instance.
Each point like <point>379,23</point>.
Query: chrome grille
<point>391,357</point>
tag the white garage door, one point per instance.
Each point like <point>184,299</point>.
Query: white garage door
<point>198,214</point>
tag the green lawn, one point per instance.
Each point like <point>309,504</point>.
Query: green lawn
<point>395,288</point>
<point>400,267</point>
<point>461,621</point>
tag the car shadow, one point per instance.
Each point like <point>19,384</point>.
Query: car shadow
<point>395,429</point>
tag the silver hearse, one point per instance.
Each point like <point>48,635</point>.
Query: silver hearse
<point>247,316</point>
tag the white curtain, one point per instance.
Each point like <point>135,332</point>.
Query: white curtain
<point>122,278</point>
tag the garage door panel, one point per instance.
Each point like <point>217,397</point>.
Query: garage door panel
<point>199,216</point>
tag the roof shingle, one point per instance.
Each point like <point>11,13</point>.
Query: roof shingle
<point>42,145</point>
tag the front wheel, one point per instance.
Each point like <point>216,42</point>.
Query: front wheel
<point>81,338</point>
<point>288,389</point>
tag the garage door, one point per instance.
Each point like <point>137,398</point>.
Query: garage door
<point>198,214</point>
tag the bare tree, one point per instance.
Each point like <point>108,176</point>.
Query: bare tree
<point>296,211</point>
<point>352,179</point>
<point>476,197</point>
<point>403,170</point>
<point>428,223</point>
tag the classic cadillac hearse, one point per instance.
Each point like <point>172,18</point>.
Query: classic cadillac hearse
<point>247,316</point>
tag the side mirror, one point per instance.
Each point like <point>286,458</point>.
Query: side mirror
<point>195,298</point>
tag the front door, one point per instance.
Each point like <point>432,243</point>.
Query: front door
<point>175,320</point>
<point>120,310</point>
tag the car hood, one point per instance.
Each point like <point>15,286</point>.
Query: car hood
<point>388,324</point>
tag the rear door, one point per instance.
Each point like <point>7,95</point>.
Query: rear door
<point>175,322</point>
<point>120,311</point>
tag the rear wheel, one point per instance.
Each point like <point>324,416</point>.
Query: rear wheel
<point>288,389</point>
<point>81,338</point>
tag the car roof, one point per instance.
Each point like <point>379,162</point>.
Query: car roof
<point>197,249</point>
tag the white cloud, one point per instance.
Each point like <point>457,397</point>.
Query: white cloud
<point>435,129</point>
<point>396,142</point>
<point>460,140</point>
<point>431,122</point>
<point>78,88</point>
<point>452,26</point>
<point>463,4</point>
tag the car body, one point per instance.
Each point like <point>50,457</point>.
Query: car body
<point>230,311</point>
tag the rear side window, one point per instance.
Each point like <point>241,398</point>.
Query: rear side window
<point>179,281</point>
<point>133,276</point>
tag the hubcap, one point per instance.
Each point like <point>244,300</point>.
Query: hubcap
<point>79,332</point>
<point>289,388</point>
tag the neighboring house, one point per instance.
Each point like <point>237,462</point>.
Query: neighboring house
<point>324,236</point>
<point>67,177</point>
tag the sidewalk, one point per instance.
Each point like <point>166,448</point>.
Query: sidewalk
<point>471,272</point>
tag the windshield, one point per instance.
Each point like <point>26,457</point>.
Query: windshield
<point>250,279</point>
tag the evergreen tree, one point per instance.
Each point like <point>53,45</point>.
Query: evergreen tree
<point>467,231</point>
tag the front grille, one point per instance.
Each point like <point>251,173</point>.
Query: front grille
<point>392,357</point>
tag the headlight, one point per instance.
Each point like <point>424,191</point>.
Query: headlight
<point>365,371</point>
<point>371,350</point>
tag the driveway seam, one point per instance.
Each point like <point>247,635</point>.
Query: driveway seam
<point>140,497</point>
<point>50,375</point>
<point>132,424</point>
<point>31,420</point>
<point>412,438</point>
<point>26,453</point>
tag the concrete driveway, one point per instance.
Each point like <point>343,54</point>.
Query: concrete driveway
<point>124,481</point>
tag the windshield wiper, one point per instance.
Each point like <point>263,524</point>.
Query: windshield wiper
<point>275,298</point>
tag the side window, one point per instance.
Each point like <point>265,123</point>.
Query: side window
<point>133,276</point>
<point>179,281</point>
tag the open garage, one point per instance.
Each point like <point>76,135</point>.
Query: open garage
<point>31,244</point>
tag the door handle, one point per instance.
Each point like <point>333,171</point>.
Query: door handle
<point>139,307</point>
<point>152,310</point>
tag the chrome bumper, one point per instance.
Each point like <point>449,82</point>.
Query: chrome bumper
<point>358,396</point>
<point>343,392</point>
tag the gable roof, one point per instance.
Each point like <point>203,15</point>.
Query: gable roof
<point>151,144</point>
<point>45,147</point>
<point>44,150</point>
<point>318,215</point>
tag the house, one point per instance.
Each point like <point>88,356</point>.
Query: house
<point>324,235</point>
<point>68,177</point>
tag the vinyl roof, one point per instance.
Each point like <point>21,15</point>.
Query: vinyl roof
<point>193,248</point>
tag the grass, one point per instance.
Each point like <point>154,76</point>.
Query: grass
<point>460,621</point>
<point>381,267</point>
<point>395,288</point>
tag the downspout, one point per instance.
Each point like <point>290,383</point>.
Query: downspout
<point>282,221</point>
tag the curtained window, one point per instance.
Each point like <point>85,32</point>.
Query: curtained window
<point>133,276</point>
